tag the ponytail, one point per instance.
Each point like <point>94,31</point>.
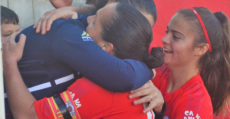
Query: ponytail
<point>215,65</point>
<point>223,87</point>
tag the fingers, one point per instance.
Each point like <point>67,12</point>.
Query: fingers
<point>147,85</point>
<point>140,89</point>
<point>12,37</point>
<point>145,99</point>
<point>44,24</point>
<point>141,93</point>
<point>147,89</point>
<point>150,107</point>
<point>49,22</point>
<point>74,15</point>
<point>38,25</point>
<point>21,42</point>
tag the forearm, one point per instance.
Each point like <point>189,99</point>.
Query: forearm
<point>103,69</point>
<point>20,99</point>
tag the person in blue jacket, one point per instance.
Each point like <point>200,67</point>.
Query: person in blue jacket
<point>51,62</point>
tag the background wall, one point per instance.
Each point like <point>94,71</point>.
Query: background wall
<point>167,8</point>
<point>29,11</point>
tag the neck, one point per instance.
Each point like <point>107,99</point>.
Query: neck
<point>180,75</point>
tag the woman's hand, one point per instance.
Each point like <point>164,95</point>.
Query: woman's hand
<point>44,23</point>
<point>150,95</point>
<point>12,51</point>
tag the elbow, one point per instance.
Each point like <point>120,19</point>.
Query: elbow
<point>125,84</point>
<point>26,116</point>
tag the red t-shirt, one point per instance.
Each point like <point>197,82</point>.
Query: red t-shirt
<point>86,100</point>
<point>191,101</point>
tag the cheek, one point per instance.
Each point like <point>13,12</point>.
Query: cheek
<point>182,52</point>
<point>3,38</point>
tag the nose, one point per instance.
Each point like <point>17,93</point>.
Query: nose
<point>90,19</point>
<point>166,39</point>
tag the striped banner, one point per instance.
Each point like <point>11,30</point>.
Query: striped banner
<point>66,97</point>
<point>55,110</point>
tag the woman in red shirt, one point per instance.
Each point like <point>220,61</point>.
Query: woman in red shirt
<point>195,78</point>
<point>83,98</point>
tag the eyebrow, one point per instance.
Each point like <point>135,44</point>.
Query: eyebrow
<point>175,31</point>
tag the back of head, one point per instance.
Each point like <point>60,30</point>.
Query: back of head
<point>145,6</point>
<point>131,34</point>
<point>8,16</point>
<point>215,64</point>
<point>98,4</point>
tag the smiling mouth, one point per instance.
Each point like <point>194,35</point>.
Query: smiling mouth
<point>167,51</point>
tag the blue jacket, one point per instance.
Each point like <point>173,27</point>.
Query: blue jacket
<point>51,62</point>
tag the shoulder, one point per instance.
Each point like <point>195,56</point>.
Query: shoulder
<point>195,102</point>
<point>67,24</point>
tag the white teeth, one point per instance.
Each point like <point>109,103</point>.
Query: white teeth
<point>167,51</point>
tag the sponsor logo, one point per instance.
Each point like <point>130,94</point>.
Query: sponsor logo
<point>85,37</point>
<point>191,115</point>
<point>77,101</point>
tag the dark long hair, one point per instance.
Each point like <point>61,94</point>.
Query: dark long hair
<point>146,6</point>
<point>215,65</point>
<point>131,34</point>
<point>8,16</point>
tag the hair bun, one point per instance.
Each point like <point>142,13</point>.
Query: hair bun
<point>223,19</point>
<point>155,58</point>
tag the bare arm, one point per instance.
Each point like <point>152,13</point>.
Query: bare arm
<point>20,99</point>
<point>44,23</point>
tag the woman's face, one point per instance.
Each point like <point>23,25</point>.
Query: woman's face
<point>178,43</point>
<point>94,28</point>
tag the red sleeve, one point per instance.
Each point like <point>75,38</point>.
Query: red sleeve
<point>43,109</point>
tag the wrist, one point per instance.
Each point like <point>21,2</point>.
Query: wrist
<point>9,63</point>
<point>158,109</point>
<point>160,115</point>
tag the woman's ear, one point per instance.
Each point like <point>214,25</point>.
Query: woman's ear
<point>108,47</point>
<point>110,2</point>
<point>201,49</point>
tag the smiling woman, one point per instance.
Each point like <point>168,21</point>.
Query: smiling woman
<point>195,81</point>
<point>9,22</point>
